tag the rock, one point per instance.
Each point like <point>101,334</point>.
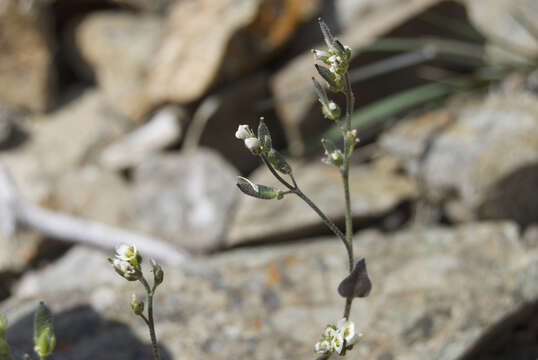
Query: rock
<point>474,137</point>
<point>18,250</point>
<point>289,83</point>
<point>95,272</point>
<point>61,140</point>
<point>514,25</point>
<point>185,198</point>
<point>95,194</point>
<point>204,38</point>
<point>435,293</point>
<point>373,194</point>
<point>162,130</point>
<point>119,47</point>
<point>26,69</point>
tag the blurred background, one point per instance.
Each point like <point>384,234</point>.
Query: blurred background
<point>117,122</point>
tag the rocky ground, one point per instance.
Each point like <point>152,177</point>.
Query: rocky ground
<point>117,121</point>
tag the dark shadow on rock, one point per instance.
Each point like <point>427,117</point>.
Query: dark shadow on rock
<point>513,197</point>
<point>515,337</point>
<point>82,334</point>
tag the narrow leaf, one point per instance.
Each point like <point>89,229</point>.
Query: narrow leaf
<point>357,283</point>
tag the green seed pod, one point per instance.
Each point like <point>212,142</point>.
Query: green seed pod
<point>44,339</point>
<point>279,162</point>
<point>264,137</point>
<point>256,190</point>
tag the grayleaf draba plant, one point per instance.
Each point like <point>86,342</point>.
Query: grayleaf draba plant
<point>128,264</point>
<point>341,337</point>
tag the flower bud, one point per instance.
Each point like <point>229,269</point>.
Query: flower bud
<point>331,111</point>
<point>137,306</point>
<point>253,144</point>
<point>158,273</point>
<point>243,132</point>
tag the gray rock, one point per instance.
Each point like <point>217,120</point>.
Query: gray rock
<point>162,130</point>
<point>26,69</point>
<point>435,292</point>
<point>119,47</point>
<point>373,194</point>
<point>292,83</point>
<point>59,141</point>
<point>95,194</point>
<point>510,27</point>
<point>95,272</point>
<point>493,144</point>
<point>185,198</point>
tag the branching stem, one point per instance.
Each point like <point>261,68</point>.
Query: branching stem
<point>149,320</point>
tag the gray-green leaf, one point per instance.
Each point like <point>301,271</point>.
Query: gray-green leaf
<point>357,283</point>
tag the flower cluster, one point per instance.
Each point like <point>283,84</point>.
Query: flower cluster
<point>338,338</point>
<point>251,141</point>
<point>127,262</point>
<point>336,57</point>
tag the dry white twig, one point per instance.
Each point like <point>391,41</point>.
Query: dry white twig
<point>14,209</point>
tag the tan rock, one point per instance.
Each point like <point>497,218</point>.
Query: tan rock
<point>205,37</point>
<point>26,71</point>
<point>119,47</point>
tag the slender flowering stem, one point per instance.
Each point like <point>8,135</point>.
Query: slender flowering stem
<point>295,190</point>
<point>349,145</point>
<point>149,320</point>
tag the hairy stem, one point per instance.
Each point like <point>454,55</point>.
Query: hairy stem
<point>349,144</point>
<point>295,189</point>
<point>149,320</point>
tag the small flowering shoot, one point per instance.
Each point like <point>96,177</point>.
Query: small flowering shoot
<point>5,350</point>
<point>44,339</point>
<point>337,339</point>
<point>127,263</point>
<point>334,71</point>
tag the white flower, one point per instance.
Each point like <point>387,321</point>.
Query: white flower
<point>243,132</point>
<point>322,347</point>
<point>332,106</point>
<point>252,144</point>
<point>126,252</point>
<point>320,54</point>
<point>329,332</point>
<point>347,330</point>
<point>125,269</point>
<point>337,342</point>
